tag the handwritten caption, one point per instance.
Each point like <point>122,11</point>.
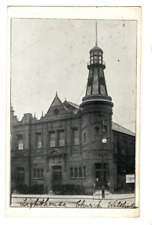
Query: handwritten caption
<point>29,203</point>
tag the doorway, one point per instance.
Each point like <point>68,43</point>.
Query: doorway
<point>57,175</point>
<point>101,175</point>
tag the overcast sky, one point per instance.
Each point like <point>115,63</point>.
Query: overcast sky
<point>50,55</point>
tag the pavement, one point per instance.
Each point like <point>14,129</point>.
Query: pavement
<point>74,201</point>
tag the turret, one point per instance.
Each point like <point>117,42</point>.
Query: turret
<point>96,124</point>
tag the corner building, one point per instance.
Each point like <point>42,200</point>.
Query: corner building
<point>73,147</point>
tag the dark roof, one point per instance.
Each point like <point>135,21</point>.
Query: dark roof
<point>73,104</point>
<point>118,128</point>
<point>95,48</point>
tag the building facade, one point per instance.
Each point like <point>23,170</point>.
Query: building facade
<point>73,147</point>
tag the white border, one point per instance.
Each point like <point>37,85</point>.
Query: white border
<point>146,153</point>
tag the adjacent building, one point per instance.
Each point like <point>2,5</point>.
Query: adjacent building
<point>73,147</point>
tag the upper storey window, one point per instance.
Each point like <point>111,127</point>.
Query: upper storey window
<point>52,139</point>
<point>61,138</point>
<point>39,140</point>
<point>75,137</point>
<point>20,142</point>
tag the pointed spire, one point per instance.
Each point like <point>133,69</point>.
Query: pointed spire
<point>96,35</point>
<point>42,114</point>
<point>56,93</point>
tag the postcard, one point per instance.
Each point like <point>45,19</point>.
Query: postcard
<point>73,97</point>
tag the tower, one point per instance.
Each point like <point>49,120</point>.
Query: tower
<point>97,125</point>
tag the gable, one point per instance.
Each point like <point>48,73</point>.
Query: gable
<point>56,101</point>
<point>57,109</point>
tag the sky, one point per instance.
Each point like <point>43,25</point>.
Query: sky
<point>51,55</point>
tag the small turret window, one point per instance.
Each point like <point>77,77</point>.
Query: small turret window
<point>95,59</point>
<point>100,59</point>
<point>104,129</point>
<point>97,131</point>
<point>84,137</point>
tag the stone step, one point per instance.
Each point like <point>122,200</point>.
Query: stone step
<point>99,192</point>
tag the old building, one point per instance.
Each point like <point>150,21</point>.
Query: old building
<point>73,147</point>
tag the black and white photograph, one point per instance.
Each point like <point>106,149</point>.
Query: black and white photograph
<point>73,113</point>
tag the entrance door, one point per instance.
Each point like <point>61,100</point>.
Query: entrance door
<point>101,174</point>
<point>57,175</point>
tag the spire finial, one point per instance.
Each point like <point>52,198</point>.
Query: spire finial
<point>96,35</point>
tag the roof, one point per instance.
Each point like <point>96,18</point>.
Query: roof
<point>73,104</point>
<point>95,48</point>
<point>118,128</point>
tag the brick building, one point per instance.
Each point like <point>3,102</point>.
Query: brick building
<point>73,146</point>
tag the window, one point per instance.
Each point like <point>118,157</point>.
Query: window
<point>80,172</point>
<point>20,175</point>
<point>95,59</point>
<point>20,142</point>
<point>104,129</point>
<point>38,173</point>
<point>75,137</point>
<point>61,138</point>
<point>84,171</point>
<point>52,139</point>
<point>71,172</point>
<point>100,59</point>
<point>91,60</point>
<point>84,137</point>
<point>96,130</point>
<point>39,140</point>
<point>56,112</point>
<point>75,172</point>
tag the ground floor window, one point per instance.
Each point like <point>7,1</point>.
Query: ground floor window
<point>20,175</point>
<point>79,172</point>
<point>38,173</point>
